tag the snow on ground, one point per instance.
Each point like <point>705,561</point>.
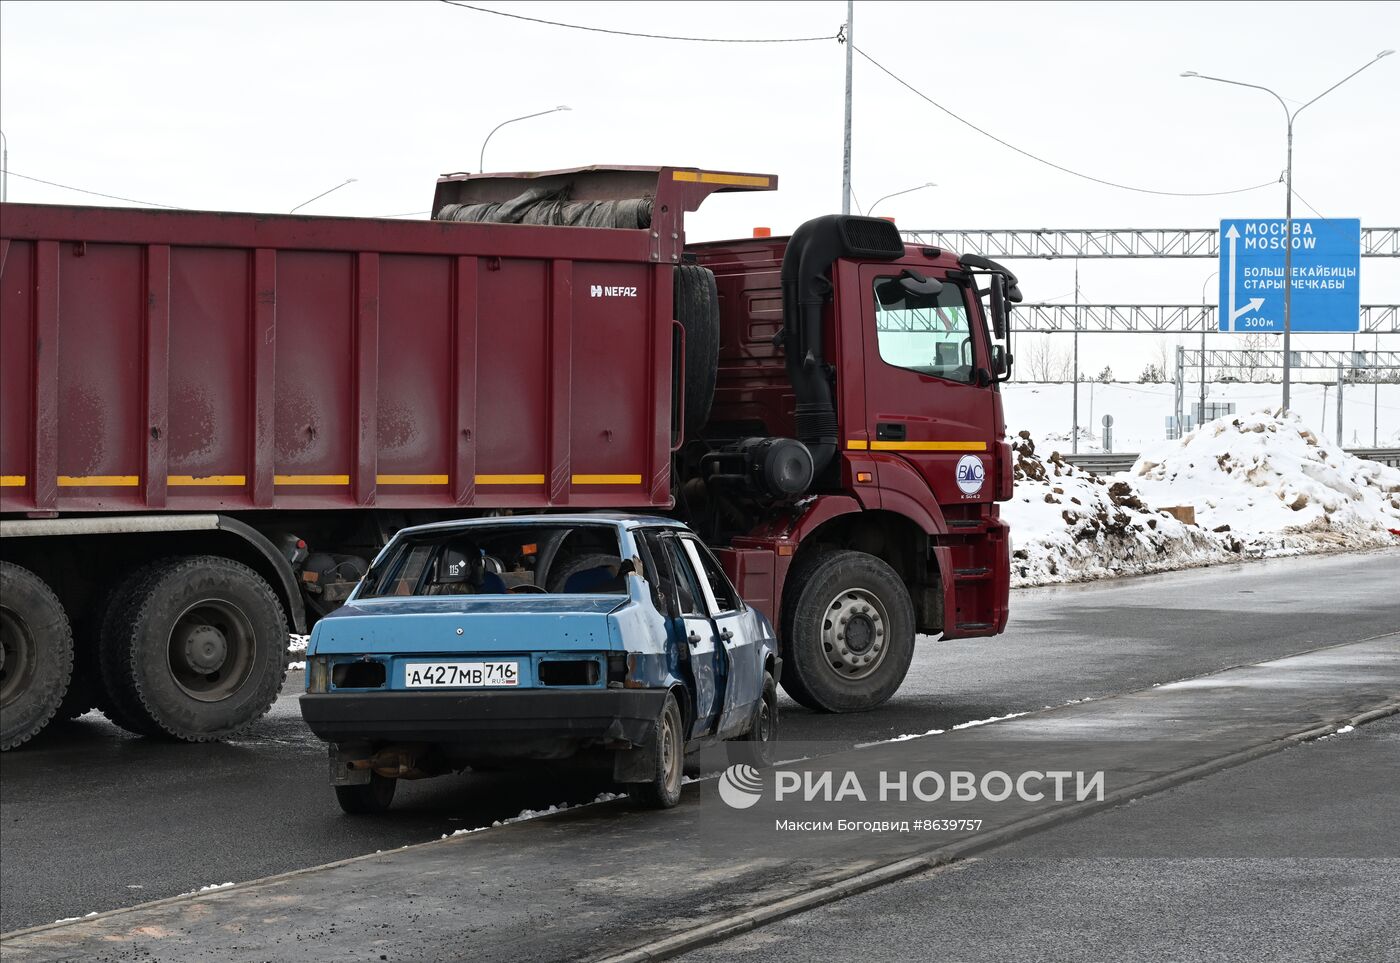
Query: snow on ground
<point>1259,484</point>
<point>1274,485</point>
<point>296,651</point>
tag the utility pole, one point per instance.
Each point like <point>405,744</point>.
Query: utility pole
<point>1074,434</point>
<point>1201,414</point>
<point>1339,404</point>
<point>846,153</point>
<point>1376,396</point>
<point>4,166</point>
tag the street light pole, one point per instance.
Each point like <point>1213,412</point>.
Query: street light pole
<point>4,166</point>
<point>1201,415</point>
<point>870,211</point>
<point>481,165</point>
<point>1288,206</point>
<point>846,151</point>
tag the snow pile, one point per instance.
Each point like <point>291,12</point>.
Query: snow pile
<point>1273,486</point>
<point>1068,524</point>
<point>296,651</point>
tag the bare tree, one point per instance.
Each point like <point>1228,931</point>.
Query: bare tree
<point>1036,356</point>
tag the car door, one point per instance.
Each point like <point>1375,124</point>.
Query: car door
<point>693,626</point>
<point>742,679</point>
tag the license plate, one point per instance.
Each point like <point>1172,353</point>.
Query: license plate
<point>460,675</point>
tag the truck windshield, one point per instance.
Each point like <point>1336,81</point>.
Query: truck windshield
<point>929,333</point>
<point>505,559</point>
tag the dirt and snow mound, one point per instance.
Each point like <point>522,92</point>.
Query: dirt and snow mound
<point>1259,485</point>
<point>1068,524</point>
<point>1278,487</point>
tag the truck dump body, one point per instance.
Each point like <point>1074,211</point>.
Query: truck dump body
<point>196,361</point>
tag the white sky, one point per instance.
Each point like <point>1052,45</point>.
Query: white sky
<point>260,106</point>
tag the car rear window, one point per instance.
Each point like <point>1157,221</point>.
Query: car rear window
<point>502,559</point>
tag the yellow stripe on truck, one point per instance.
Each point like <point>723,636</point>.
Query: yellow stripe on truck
<point>209,481</point>
<point>710,177</point>
<point>410,479</point>
<point>607,479</point>
<point>928,445</point>
<point>311,479</point>
<point>98,481</point>
<point>12,481</point>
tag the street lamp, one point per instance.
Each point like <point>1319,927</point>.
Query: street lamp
<point>348,180</point>
<point>481,166</point>
<point>1288,181</point>
<point>870,211</point>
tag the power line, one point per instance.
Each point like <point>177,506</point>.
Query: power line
<point>629,33</point>
<point>83,190</point>
<point>1041,160</point>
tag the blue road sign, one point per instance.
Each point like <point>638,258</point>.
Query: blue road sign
<point>1326,275</point>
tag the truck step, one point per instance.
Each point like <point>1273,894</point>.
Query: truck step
<point>971,573</point>
<point>973,626</point>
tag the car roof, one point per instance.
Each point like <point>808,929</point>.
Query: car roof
<point>617,519</point>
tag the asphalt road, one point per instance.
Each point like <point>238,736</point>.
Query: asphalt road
<point>1271,861</point>
<point>92,819</point>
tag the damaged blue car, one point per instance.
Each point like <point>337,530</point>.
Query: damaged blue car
<point>481,643</point>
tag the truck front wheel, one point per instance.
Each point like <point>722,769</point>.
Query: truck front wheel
<point>848,632</point>
<point>36,654</point>
<point>197,647</point>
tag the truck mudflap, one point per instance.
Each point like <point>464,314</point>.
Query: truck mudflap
<point>487,719</point>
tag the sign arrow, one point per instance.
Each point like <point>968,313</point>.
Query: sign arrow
<point>1254,305</point>
<point>1233,235</point>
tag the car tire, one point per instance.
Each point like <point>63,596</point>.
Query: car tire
<point>194,648</point>
<point>663,789</point>
<point>827,666</point>
<point>367,798</point>
<point>37,662</point>
<point>697,309</point>
<point>758,746</point>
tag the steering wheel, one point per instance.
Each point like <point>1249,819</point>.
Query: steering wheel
<point>525,588</point>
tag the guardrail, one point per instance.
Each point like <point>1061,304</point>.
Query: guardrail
<point>1108,463</point>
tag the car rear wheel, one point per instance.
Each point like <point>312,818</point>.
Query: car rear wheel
<point>663,789</point>
<point>367,798</point>
<point>758,746</point>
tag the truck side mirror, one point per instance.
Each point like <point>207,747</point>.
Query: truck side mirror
<point>1001,362</point>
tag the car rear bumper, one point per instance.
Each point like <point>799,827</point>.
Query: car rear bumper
<point>528,716</point>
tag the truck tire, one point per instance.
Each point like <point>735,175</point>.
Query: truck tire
<point>118,699</point>
<point>663,789</point>
<point>559,574</point>
<point>196,650</point>
<point>697,309</point>
<point>36,654</point>
<point>848,632</point>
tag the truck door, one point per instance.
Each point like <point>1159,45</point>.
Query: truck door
<point>927,390</point>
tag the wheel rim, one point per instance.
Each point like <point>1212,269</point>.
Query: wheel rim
<point>211,650</point>
<point>764,727</point>
<point>855,634</point>
<point>18,656</point>
<point>670,750</point>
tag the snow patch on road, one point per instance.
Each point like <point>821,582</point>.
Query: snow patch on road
<point>1260,485</point>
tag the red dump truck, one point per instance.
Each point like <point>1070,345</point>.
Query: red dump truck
<point>212,422</point>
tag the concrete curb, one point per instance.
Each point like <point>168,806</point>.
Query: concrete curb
<point>716,932</point>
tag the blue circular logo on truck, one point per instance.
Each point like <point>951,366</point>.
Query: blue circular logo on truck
<point>971,474</point>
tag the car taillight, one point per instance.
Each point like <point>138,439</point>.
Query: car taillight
<point>318,674</point>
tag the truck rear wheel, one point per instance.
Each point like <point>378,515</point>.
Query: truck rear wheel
<point>697,309</point>
<point>195,648</point>
<point>848,632</point>
<point>36,654</point>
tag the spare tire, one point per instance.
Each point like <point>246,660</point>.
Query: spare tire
<point>697,309</point>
